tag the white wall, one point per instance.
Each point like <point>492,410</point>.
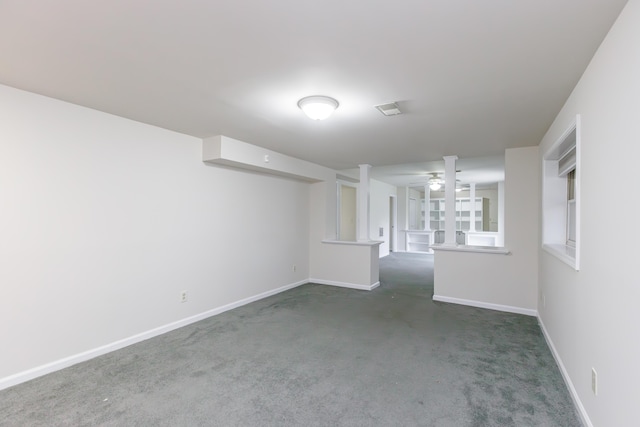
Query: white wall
<point>104,221</point>
<point>348,202</point>
<point>345,264</point>
<point>509,281</point>
<point>352,265</point>
<point>592,316</point>
<point>379,213</point>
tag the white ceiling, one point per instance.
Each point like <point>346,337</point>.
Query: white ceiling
<point>472,77</point>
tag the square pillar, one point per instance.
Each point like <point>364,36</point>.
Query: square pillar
<point>450,200</point>
<point>472,206</point>
<point>363,204</point>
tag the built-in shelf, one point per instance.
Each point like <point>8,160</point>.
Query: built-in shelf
<point>463,214</point>
<point>418,240</point>
<point>482,238</point>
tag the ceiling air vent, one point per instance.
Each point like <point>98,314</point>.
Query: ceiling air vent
<point>390,109</point>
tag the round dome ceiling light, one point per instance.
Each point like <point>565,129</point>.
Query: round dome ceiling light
<point>318,107</point>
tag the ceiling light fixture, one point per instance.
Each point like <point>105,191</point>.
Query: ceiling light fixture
<point>435,183</point>
<point>318,107</point>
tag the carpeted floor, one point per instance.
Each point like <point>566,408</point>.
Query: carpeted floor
<point>318,356</point>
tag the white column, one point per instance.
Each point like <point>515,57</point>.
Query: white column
<point>472,206</point>
<point>363,204</point>
<point>450,200</point>
<point>500,240</point>
<point>427,208</point>
<point>403,216</point>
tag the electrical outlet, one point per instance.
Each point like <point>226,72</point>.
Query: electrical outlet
<point>183,296</point>
<point>594,381</point>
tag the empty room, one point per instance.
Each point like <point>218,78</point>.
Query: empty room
<point>319,213</point>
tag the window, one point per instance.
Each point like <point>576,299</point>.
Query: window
<point>571,208</point>
<point>561,197</point>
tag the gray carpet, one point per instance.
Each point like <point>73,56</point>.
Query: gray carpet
<point>318,356</point>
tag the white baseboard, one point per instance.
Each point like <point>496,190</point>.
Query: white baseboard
<point>117,345</point>
<point>345,285</point>
<point>565,375</point>
<point>487,305</point>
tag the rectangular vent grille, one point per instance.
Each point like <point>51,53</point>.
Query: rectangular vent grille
<point>391,109</point>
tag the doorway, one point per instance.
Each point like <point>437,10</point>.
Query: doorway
<point>347,212</point>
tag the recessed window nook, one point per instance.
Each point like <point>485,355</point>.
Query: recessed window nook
<point>561,197</point>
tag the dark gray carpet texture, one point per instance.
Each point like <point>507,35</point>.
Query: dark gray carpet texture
<point>318,356</point>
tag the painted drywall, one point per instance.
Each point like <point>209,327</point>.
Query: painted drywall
<point>510,281</point>
<point>227,151</point>
<point>105,221</point>
<point>347,212</point>
<point>380,193</point>
<point>335,264</point>
<point>592,316</point>
<point>332,262</point>
<point>403,217</point>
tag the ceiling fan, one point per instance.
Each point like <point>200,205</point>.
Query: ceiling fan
<point>434,181</point>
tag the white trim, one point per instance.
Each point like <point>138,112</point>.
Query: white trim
<point>496,250</point>
<point>564,253</point>
<point>578,187</point>
<point>354,242</point>
<point>554,192</point>
<point>345,285</point>
<point>57,365</point>
<point>565,375</point>
<point>487,305</point>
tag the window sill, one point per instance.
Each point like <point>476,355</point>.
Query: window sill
<point>354,242</point>
<point>564,253</point>
<point>498,250</point>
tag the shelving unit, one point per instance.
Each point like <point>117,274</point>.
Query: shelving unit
<point>463,214</point>
<point>436,214</point>
<point>418,241</point>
